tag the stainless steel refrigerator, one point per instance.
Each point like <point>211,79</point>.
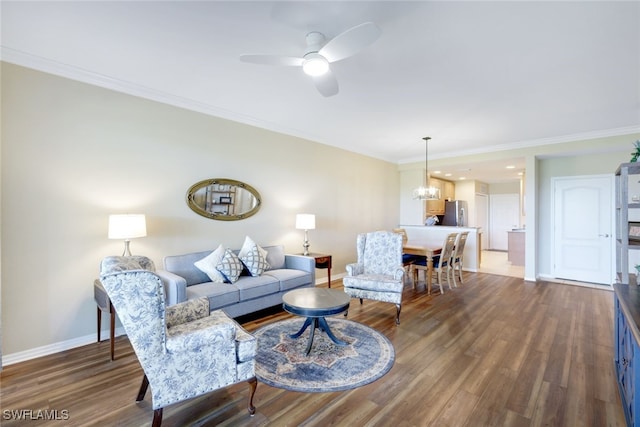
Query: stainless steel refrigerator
<point>455,213</point>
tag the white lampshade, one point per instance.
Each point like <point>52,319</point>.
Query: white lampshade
<point>127,226</point>
<point>305,221</point>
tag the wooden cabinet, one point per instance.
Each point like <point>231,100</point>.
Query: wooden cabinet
<point>435,207</point>
<point>627,351</point>
<point>447,192</point>
<point>624,205</point>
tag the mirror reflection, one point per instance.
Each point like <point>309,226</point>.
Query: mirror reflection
<point>223,199</point>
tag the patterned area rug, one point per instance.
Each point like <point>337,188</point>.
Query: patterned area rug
<point>281,361</point>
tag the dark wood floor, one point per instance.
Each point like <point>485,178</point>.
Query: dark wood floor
<point>495,351</point>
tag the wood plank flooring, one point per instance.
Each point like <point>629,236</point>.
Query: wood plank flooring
<point>496,351</point>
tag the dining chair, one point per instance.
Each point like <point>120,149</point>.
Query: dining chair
<point>441,263</point>
<point>407,259</point>
<point>457,257</point>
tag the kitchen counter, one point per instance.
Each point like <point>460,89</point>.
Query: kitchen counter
<point>435,235</point>
<point>516,247</point>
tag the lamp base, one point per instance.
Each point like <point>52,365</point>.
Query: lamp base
<point>306,244</point>
<point>126,252</point>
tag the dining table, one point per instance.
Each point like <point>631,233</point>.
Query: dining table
<point>426,249</point>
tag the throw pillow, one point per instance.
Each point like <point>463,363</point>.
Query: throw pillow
<point>253,257</point>
<point>230,266</point>
<point>209,263</point>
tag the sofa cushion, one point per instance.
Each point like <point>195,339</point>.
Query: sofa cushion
<point>230,266</point>
<point>275,257</point>
<point>256,287</point>
<point>253,257</point>
<point>289,278</point>
<point>219,294</point>
<point>209,263</point>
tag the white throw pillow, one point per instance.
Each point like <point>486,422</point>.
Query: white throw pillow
<point>209,263</point>
<point>253,257</point>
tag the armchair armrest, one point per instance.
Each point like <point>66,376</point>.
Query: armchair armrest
<point>355,269</point>
<point>209,331</point>
<point>186,311</point>
<point>398,273</point>
<point>175,287</point>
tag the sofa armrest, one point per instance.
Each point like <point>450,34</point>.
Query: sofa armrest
<point>175,287</point>
<point>301,262</point>
<point>354,269</point>
<point>398,273</point>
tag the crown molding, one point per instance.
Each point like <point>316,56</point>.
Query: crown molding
<point>583,136</point>
<point>86,76</point>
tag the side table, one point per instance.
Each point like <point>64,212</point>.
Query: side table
<point>323,261</point>
<point>104,304</point>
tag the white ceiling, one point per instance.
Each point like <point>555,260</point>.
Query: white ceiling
<point>475,76</point>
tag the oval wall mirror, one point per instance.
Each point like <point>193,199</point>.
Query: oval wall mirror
<point>223,199</point>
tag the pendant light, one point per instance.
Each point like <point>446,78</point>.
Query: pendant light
<point>426,192</point>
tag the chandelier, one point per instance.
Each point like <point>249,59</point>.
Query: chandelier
<point>426,192</point>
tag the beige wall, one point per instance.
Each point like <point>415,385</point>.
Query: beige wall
<point>73,153</point>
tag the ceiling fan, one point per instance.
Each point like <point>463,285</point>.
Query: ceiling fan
<point>319,54</point>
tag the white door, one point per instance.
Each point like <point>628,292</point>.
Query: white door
<point>583,229</point>
<point>504,215</point>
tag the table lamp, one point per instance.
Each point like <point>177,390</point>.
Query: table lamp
<point>305,222</point>
<point>127,227</point>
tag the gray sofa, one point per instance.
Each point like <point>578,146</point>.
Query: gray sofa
<point>184,281</point>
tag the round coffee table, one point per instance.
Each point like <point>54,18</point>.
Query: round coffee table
<point>315,304</point>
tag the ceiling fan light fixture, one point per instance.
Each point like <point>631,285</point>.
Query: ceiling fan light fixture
<point>315,64</point>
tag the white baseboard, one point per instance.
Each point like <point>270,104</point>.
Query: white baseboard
<point>22,356</point>
<point>333,277</point>
<point>548,278</point>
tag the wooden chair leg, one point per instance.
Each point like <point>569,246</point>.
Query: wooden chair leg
<point>453,275</point>
<point>143,389</point>
<point>99,322</point>
<point>112,333</point>
<point>157,418</point>
<point>253,383</point>
<point>398,308</point>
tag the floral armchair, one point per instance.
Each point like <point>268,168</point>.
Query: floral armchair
<point>184,351</point>
<point>378,275</point>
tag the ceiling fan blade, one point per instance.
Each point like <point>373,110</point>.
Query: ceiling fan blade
<point>327,84</point>
<point>287,61</point>
<point>350,42</point>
